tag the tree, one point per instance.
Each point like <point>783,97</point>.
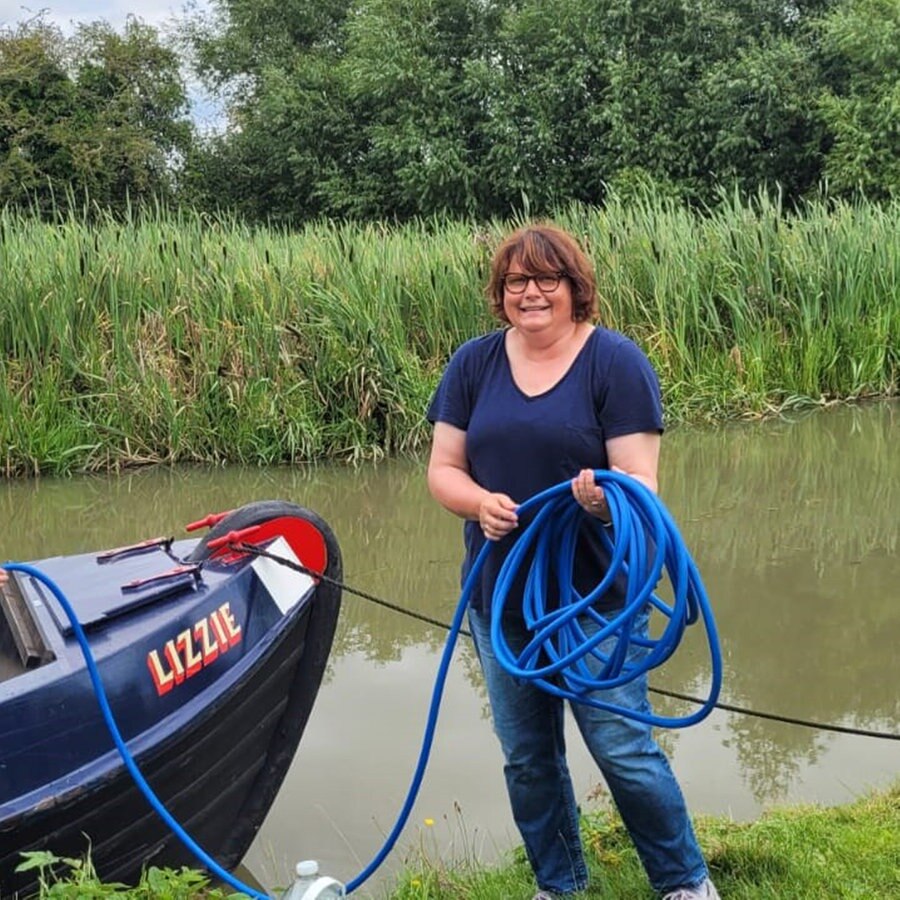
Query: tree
<point>396,108</point>
<point>37,98</point>
<point>100,117</point>
<point>546,81</point>
<point>712,93</point>
<point>860,104</point>
<point>417,111</point>
<point>291,123</point>
<point>756,119</point>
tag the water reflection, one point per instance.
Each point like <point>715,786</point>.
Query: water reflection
<point>794,526</point>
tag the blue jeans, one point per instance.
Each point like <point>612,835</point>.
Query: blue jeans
<point>529,723</point>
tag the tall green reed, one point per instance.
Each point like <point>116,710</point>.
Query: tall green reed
<point>175,337</point>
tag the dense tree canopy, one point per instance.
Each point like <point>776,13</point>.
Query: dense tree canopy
<point>391,109</point>
<point>98,117</point>
<point>860,103</point>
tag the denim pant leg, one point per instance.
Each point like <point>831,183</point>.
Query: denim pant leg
<point>642,784</point>
<point>529,724</point>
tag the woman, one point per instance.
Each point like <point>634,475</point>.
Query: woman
<point>548,398</point>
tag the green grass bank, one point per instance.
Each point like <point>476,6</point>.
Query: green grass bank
<point>795,853</point>
<point>175,338</point>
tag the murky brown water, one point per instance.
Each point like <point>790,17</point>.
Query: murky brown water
<point>795,526</point>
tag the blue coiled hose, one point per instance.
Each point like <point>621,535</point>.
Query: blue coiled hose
<point>643,543</point>
<point>564,659</point>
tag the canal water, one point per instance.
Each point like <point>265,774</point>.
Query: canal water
<point>794,524</point>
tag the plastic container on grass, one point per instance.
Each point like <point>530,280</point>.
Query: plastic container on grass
<point>310,885</point>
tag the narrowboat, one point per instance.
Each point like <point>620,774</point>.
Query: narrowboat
<point>210,651</point>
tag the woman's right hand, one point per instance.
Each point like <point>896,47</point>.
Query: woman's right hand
<point>497,516</point>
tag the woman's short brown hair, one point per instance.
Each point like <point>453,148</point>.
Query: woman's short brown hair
<point>544,248</point>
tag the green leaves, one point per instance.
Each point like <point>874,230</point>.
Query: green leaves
<point>860,104</point>
<point>397,109</point>
<point>97,118</point>
<point>393,109</point>
<point>64,878</point>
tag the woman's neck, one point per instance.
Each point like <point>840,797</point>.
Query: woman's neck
<point>539,362</point>
<point>546,345</point>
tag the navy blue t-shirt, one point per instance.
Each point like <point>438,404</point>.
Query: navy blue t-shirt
<point>520,445</point>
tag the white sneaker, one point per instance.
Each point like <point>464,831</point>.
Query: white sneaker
<point>706,890</point>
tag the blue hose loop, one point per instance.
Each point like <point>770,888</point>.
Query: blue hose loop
<point>217,870</point>
<point>644,546</point>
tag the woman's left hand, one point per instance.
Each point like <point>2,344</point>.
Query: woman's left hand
<point>589,495</point>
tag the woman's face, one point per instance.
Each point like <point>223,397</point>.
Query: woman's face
<point>543,302</point>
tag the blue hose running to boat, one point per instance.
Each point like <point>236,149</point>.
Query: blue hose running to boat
<point>643,544</point>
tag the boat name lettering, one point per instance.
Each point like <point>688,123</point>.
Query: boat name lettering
<point>187,653</point>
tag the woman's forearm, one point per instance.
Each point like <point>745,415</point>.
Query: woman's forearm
<point>456,491</point>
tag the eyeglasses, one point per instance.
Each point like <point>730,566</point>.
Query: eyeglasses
<point>516,282</point>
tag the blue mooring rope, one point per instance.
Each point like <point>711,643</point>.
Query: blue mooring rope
<point>643,543</point>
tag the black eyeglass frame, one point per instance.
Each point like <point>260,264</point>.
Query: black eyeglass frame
<point>551,281</point>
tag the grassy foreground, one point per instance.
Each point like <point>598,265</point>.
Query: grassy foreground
<point>792,853</point>
<point>795,853</point>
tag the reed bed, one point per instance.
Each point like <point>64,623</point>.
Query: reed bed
<point>173,337</point>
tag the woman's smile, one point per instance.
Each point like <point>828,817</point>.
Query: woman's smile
<point>534,307</point>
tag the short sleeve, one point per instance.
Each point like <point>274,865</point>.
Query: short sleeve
<point>632,401</point>
<point>453,398</point>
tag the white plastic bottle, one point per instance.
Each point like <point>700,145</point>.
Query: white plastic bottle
<point>310,885</point>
